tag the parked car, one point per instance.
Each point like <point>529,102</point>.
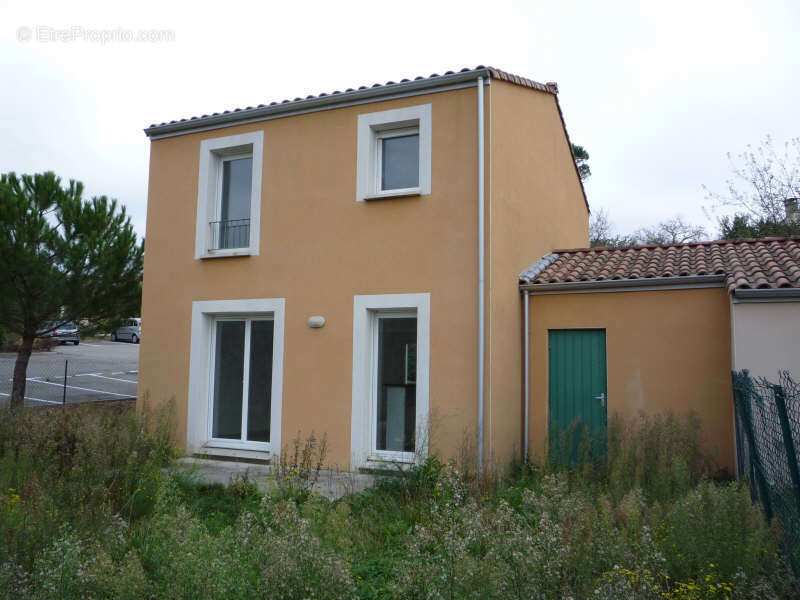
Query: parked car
<point>131,331</point>
<point>68,332</point>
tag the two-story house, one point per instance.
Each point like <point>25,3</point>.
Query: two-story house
<point>348,263</point>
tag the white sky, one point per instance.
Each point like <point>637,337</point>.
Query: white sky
<point>657,92</point>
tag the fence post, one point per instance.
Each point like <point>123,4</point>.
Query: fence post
<point>64,393</point>
<point>788,442</point>
<point>755,459</point>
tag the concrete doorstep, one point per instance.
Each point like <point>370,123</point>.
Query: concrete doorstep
<point>331,484</point>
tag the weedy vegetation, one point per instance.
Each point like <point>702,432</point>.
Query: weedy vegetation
<point>91,508</point>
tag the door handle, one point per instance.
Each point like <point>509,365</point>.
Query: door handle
<point>602,398</point>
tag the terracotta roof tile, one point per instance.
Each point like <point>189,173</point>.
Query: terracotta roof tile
<point>550,88</point>
<point>769,263</point>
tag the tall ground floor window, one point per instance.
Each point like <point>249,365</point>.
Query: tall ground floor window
<point>396,386</point>
<point>391,339</point>
<point>236,376</point>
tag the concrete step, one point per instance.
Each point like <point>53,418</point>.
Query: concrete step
<point>331,483</point>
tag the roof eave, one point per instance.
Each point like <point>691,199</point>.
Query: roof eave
<point>694,281</point>
<point>316,103</point>
<point>767,295</point>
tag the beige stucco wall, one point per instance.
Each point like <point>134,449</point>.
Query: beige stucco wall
<point>766,338</point>
<point>664,350</point>
<point>319,248</point>
<point>535,206</point>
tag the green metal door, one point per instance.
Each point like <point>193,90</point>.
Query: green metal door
<point>577,391</point>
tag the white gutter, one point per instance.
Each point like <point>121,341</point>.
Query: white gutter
<point>527,330</point>
<point>481,280</point>
<point>679,282</point>
<point>767,295</point>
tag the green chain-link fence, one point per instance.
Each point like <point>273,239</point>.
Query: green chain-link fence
<point>767,442</point>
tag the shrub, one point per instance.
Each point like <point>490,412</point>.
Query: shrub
<point>660,454</point>
<point>79,467</point>
<point>296,564</point>
<point>87,512</point>
<point>216,505</point>
<point>297,472</point>
<point>719,526</point>
<point>184,560</point>
<point>269,552</point>
<point>444,555</point>
<point>74,568</point>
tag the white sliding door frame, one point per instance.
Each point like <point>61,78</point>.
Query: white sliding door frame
<point>205,315</point>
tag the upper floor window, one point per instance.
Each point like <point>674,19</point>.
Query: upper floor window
<point>232,230</point>
<point>229,195</point>
<point>394,153</point>
<point>398,159</point>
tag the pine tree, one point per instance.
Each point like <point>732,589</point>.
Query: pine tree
<point>62,258</point>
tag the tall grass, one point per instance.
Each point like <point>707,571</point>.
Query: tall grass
<point>659,454</point>
<point>91,514</point>
<point>83,466</point>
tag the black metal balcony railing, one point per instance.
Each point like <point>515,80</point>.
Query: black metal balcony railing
<point>229,234</point>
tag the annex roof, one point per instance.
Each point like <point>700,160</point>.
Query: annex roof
<point>754,264</point>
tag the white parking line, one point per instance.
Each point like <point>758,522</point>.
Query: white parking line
<point>34,399</point>
<point>133,372</point>
<point>112,378</point>
<point>92,345</point>
<point>75,387</point>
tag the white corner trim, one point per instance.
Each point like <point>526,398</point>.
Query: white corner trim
<point>211,152</point>
<point>200,361</point>
<point>364,308</point>
<point>369,124</point>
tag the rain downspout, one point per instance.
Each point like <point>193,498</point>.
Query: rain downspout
<point>481,282</point>
<point>527,333</point>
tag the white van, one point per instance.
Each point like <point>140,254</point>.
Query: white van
<point>130,331</point>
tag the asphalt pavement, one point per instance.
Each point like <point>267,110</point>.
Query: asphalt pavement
<point>95,370</point>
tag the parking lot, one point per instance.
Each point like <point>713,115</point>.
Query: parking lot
<point>95,370</point>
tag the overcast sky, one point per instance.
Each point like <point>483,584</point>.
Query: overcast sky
<point>658,92</point>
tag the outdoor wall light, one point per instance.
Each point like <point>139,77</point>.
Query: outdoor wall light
<point>316,322</point>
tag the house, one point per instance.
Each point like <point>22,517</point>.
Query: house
<point>648,328</point>
<point>347,264</point>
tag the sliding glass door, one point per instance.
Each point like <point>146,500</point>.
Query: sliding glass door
<point>242,380</point>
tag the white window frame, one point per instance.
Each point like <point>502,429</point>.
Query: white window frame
<point>363,428</point>
<point>380,136</point>
<point>205,315</point>
<point>372,128</point>
<point>223,158</point>
<point>213,152</point>
<point>227,442</point>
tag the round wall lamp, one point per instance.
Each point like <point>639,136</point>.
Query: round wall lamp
<point>316,322</point>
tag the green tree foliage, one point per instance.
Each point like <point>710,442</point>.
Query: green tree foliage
<point>742,226</point>
<point>62,258</point>
<point>581,161</point>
